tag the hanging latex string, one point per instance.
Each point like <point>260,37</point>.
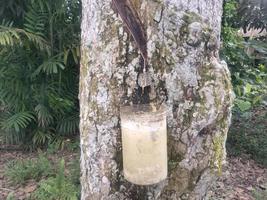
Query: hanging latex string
<point>130,18</point>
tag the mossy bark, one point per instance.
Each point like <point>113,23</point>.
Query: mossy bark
<point>183,42</point>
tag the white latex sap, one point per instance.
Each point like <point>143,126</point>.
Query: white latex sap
<point>144,143</point>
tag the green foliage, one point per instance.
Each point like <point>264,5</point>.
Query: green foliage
<point>248,69</point>
<point>60,143</point>
<point>57,188</point>
<point>260,194</point>
<point>10,196</point>
<point>260,46</point>
<point>41,137</point>
<point>250,86</point>
<point>10,36</point>
<point>230,14</point>
<point>248,135</point>
<point>39,71</point>
<point>17,121</point>
<point>247,59</point>
<point>18,172</point>
<point>74,172</point>
<point>74,145</point>
<point>55,183</point>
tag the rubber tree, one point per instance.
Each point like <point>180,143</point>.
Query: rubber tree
<point>183,39</point>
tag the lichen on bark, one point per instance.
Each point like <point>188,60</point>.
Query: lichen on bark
<point>183,42</point>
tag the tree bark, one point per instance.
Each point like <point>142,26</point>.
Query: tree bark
<point>183,42</point>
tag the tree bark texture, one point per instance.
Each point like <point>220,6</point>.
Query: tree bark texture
<point>183,38</point>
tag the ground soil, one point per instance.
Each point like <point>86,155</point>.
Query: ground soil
<point>239,179</point>
<point>22,192</point>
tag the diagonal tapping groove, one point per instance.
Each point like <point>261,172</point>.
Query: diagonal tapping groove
<point>130,18</point>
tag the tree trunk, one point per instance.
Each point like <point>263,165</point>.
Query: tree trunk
<point>183,41</point>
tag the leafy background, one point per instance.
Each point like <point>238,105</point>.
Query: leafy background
<point>39,71</point>
<point>247,60</point>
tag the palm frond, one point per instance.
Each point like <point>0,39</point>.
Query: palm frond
<point>39,41</point>
<point>50,66</point>
<point>43,115</point>
<point>18,121</point>
<point>39,70</point>
<point>9,136</point>
<point>35,19</point>
<point>69,124</point>
<point>9,36</point>
<point>41,137</point>
<point>74,52</point>
<point>14,84</point>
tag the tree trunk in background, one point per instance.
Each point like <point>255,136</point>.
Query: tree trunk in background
<point>183,41</point>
